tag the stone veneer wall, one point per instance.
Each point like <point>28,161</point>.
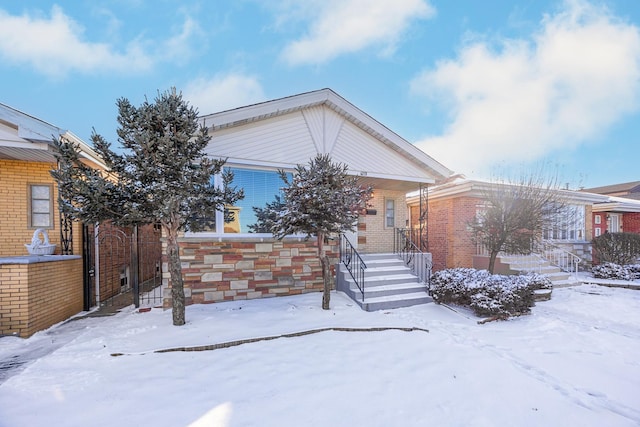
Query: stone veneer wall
<point>228,269</point>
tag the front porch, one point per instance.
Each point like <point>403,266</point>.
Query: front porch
<point>381,281</point>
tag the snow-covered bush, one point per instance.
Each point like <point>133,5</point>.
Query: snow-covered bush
<point>486,294</point>
<point>634,270</point>
<point>538,281</point>
<point>452,285</point>
<point>610,270</point>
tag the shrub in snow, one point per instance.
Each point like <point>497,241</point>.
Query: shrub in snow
<point>538,281</point>
<point>452,285</point>
<point>634,270</point>
<point>610,270</point>
<point>486,294</point>
<point>618,248</point>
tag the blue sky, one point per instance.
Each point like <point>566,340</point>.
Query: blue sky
<point>481,86</point>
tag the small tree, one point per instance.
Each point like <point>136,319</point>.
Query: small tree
<point>163,176</point>
<point>320,199</point>
<point>515,215</point>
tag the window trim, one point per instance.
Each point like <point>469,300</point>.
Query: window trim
<point>30,200</point>
<point>386,212</point>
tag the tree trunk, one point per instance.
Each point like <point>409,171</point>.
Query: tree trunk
<point>492,261</point>
<point>326,280</point>
<point>175,270</point>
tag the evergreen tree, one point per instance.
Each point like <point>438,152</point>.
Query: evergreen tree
<point>266,217</point>
<point>320,199</point>
<point>162,176</point>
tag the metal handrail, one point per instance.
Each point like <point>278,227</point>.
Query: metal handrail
<point>543,251</point>
<point>352,260</point>
<point>419,262</point>
<point>560,257</point>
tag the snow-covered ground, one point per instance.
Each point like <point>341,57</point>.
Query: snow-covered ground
<point>574,361</point>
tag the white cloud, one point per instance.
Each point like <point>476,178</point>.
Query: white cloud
<point>345,26</point>
<point>571,80</point>
<point>223,92</point>
<point>56,46</point>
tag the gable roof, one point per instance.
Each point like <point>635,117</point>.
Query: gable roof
<point>25,137</point>
<point>619,189</point>
<point>291,130</point>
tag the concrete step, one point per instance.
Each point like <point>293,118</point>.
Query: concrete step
<point>389,283</point>
<point>382,256</point>
<point>383,280</point>
<point>388,290</point>
<point>386,271</point>
<point>396,301</point>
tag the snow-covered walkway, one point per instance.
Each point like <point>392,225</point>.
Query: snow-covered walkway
<point>574,361</point>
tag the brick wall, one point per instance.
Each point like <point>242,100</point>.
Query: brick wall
<point>373,235</point>
<point>238,269</point>
<point>15,177</point>
<point>449,240</point>
<point>631,222</point>
<point>36,296</point>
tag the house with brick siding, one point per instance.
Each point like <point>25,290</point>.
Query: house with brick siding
<point>452,205</point>
<point>230,261</point>
<point>35,291</point>
<point>620,212</point>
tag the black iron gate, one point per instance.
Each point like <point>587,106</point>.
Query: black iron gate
<point>122,266</point>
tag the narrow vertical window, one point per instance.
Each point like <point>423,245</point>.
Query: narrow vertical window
<point>390,213</point>
<point>598,220</point>
<point>40,206</point>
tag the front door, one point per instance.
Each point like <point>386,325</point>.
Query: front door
<point>614,223</point>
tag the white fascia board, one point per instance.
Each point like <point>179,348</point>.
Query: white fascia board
<point>615,207</point>
<point>25,144</point>
<point>264,109</point>
<point>253,164</point>
<point>86,151</point>
<point>473,188</point>
<point>417,179</point>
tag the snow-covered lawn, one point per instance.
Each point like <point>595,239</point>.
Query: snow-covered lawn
<point>574,361</point>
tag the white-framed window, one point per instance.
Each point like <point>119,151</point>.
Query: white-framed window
<point>597,219</point>
<point>261,186</point>
<point>40,209</point>
<point>566,225</point>
<point>597,231</point>
<point>389,213</point>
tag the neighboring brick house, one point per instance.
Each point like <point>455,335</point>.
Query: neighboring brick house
<point>451,206</point>
<point>621,212</point>
<point>229,263</point>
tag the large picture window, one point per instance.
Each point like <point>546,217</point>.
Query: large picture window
<point>567,225</point>
<point>260,187</point>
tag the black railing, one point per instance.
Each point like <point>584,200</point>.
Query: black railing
<point>419,262</point>
<point>351,259</point>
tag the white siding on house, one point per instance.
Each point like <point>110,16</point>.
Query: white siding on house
<point>284,139</point>
<point>296,137</point>
<point>364,153</point>
<point>324,125</point>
